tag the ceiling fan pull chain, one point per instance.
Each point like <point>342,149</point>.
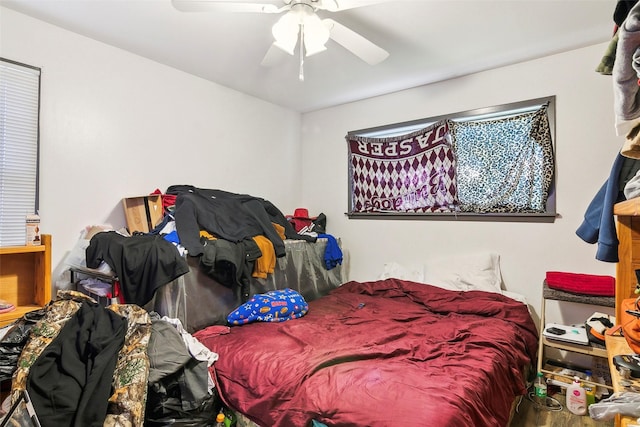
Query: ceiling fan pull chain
<point>301,48</point>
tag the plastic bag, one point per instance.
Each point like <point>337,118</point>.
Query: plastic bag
<point>164,408</point>
<point>625,403</point>
<point>14,341</point>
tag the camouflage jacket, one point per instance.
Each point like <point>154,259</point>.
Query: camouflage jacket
<point>127,403</point>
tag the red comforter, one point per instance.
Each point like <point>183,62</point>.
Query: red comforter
<point>383,353</point>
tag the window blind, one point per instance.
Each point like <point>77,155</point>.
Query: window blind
<point>19,148</point>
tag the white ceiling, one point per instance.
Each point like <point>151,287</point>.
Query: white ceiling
<point>428,41</point>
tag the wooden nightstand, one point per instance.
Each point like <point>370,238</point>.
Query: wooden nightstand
<point>618,345</point>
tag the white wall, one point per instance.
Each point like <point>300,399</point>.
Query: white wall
<point>115,125</point>
<point>586,146</point>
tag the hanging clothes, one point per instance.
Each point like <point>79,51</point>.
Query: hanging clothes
<point>143,263</point>
<point>598,225</point>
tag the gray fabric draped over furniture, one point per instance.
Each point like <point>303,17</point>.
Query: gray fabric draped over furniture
<point>199,301</point>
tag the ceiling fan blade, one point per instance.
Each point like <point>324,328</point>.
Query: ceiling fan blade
<point>274,56</point>
<point>370,53</point>
<point>224,6</point>
<point>338,5</point>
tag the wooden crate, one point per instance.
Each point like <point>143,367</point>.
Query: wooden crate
<point>143,213</point>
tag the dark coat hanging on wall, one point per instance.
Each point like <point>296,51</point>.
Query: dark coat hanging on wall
<point>598,225</point>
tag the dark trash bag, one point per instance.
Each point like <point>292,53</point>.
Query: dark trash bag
<point>14,341</point>
<point>165,409</point>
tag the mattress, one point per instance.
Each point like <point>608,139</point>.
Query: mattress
<point>380,353</point>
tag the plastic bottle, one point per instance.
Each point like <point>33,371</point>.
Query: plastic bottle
<point>589,389</point>
<point>576,398</point>
<point>229,418</point>
<point>540,387</point>
<point>220,420</point>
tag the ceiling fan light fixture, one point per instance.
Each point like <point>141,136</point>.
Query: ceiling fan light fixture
<point>300,23</point>
<point>285,32</point>
<point>315,34</point>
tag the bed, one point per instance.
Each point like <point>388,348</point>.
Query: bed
<point>385,352</point>
<point>394,351</point>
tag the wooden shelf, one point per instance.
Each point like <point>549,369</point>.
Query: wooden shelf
<point>591,350</point>
<point>618,345</point>
<point>22,249</point>
<point>576,348</point>
<point>25,278</point>
<point>628,230</point>
<point>629,207</point>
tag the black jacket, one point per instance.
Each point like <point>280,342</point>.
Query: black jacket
<point>143,262</point>
<point>229,216</point>
<point>70,382</point>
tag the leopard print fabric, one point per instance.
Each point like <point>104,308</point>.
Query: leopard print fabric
<point>504,165</point>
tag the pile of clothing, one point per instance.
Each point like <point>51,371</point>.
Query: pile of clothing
<point>316,227</point>
<point>85,364</point>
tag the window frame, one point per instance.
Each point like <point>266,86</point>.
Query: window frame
<point>496,111</point>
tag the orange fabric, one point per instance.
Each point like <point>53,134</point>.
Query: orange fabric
<point>631,324</point>
<point>596,334</point>
<point>207,235</point>
<point>266,264</point>
<point>279,230</point>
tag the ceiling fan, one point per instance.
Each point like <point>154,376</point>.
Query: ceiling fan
<point>300,25</point>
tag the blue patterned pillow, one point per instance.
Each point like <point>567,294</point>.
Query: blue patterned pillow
<point>273,306</point>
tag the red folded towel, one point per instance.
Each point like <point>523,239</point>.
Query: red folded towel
<point>584,284</point>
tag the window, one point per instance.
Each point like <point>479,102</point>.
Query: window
<point>19,148</point>
<point>494,162</point>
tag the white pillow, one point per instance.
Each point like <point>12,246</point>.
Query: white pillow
<point>480,272</point>
<point>397,271</point>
